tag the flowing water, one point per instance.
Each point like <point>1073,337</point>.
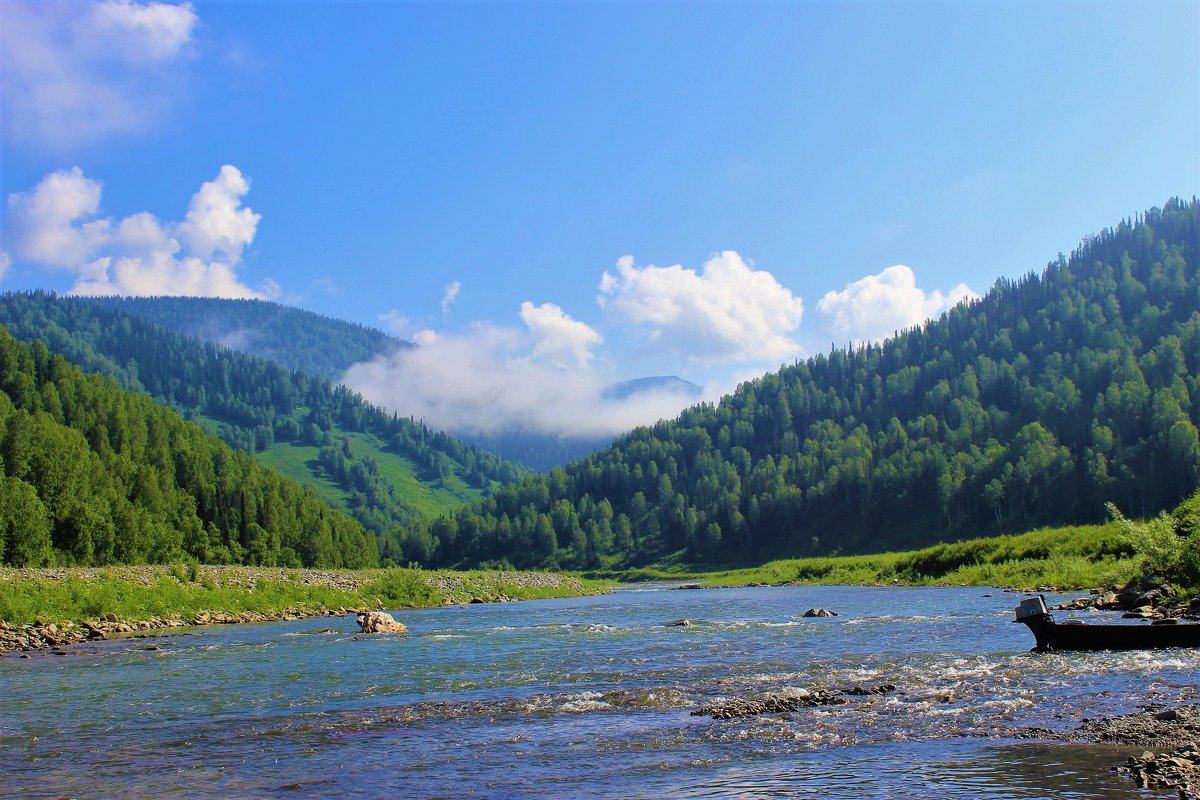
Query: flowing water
<point>588,697</point>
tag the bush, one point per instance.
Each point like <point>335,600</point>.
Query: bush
<point>1187,516</point>
<point>403,587</point>
<point>1165,548</point>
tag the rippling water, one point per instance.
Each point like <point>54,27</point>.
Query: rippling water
<point>589,697</point>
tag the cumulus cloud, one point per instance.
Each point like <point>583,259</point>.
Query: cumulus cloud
<point>56,225</point>
<point>396,322</point>
<point>727,312</point>
<point>43,225</point>
<point>877,306</point>
<point>449,295</point>
<point>215,221</point>
<point>74,72</point>
<point>5,263</point>
<point>486,381</point>
<point>562,341</point>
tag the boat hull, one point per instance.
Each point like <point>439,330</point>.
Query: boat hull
<point>1134,636</point>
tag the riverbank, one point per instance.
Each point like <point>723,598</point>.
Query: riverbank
<point>1171,736</point>
<point>51,607</point>
<point>1068,559</point>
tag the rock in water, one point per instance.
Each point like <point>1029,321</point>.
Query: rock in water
<point>379,622</point>
<point>820,612</point>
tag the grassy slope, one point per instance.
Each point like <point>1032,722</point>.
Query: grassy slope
<point>299,463</point>
<point>1080,557</point>
<point>425,492</point>
<point>430,498</point>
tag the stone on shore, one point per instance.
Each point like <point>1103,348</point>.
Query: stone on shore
<point>379,622</point>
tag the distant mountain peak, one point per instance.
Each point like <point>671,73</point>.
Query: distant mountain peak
<point>671,384</point>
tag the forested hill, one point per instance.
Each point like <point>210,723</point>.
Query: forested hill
<point>1032,406</point>
<point>320,345</point>
<point>297,339</point>
<point>92,474</point>
<point>384,470</point>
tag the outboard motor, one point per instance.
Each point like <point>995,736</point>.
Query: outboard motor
<point>1033,608</point>
<point>1033,612</point>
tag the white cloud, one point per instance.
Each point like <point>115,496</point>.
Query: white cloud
<point>55,225</point>
<point>562,341</point>
<point>152,32</point>
<point>43,225</point>
<point>877,306</point>
<point>396,322</point>
<point>74,72</point>
<point>5,263</point>
<point>728,312</point>
<point>215,221</point>
<point>449,295</point>
<point>485,381</point>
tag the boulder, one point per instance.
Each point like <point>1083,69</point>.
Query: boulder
<point>1142,612</point>
<point>379,622</point>
<point>1145,591</point>
<point>679,623</point>
<point>94,631</point>
<point>820,612</point>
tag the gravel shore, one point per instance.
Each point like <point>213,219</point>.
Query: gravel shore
<point>444,588</point>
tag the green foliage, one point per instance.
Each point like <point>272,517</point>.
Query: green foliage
<point>1159,549</point>
<point>1187,516</point>
<point>1167,546</point>
<point>402,587</point>
<point>100,475</point>
<point>1030,407</point>
<point>24,525</point>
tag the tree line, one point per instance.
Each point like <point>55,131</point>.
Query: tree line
<point>297,339</point>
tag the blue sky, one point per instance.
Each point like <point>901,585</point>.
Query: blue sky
<point>756,180</point>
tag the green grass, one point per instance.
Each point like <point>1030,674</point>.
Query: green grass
<point>429,495</point>
<point>141,593</point>
<point>299,463</point>
<point>1080,557</point>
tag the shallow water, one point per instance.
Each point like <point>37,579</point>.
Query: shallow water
<point>589,697</point>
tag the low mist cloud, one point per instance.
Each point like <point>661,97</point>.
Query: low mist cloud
<point>56,225</point>
<point>877,306</point>
<point>491,380</point>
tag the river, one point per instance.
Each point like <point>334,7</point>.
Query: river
<point>587,697</point>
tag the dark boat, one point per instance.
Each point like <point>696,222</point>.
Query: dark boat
<point>1074,635</point>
